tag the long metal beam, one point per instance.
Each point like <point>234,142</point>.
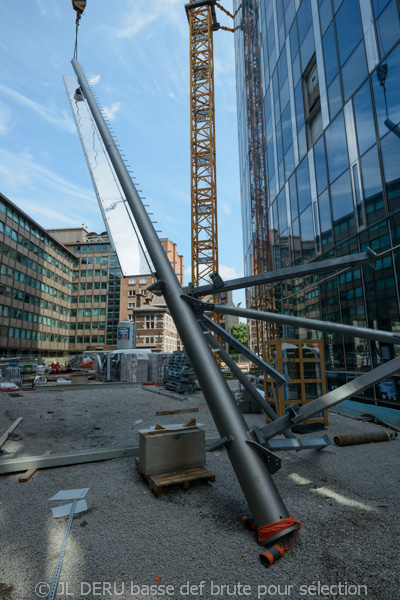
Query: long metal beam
<point>251,469</point>
<point>323,266</point>
<point>362,332</point>
<point>263,404</point>
<point>75,457</point>
<point>296,414</point>
<point>256,360</point>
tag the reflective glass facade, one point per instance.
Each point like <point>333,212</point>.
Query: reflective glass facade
<point>330,102</point>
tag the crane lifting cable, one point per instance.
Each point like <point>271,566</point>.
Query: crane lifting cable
<point>79,6</point>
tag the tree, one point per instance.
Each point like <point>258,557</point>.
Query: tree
<point>239,331</point>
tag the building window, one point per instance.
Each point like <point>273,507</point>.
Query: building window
<point>312,103</point>
<point>131,304</point>
<point>132,280</point>
<point>149,340</point>
<point>150,321</point>
<point>143,280</point>
<point>132,292</point>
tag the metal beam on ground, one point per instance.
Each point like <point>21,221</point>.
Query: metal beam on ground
<point>66,459</point>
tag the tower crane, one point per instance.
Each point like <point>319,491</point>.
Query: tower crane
<point>204,231</point>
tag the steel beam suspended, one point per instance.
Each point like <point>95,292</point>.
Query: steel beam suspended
<point>377,335</point>
<point>331,264</point>
<point>250,466</point>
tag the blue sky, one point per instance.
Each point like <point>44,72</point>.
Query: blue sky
<point>137,54</point>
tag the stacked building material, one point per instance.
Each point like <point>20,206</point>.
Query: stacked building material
<point>134,367</point>
<point>179,375</point>
<point>157,365</point>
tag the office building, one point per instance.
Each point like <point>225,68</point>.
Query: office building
<point>62,291</point>
<point>318,85</point>
<point>36,287</point>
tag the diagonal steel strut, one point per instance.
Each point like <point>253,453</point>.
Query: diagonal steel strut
<point>250,466</point>
<point>296,414</point>
<point>256,360</point>
<point>264,405</point>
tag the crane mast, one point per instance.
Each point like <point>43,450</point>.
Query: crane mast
<point>261,297</point>
<point>204,231</point>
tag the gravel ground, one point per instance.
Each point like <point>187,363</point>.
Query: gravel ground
<point>347,499</point>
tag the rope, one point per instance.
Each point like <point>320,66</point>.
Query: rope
<point>268,531</point>
<point>76,38</point>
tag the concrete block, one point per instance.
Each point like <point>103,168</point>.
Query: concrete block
<point>171,451</point>
<point>254,407</point>
<point>244,406</point>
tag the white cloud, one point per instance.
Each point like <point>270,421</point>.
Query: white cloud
<point>110,112</point>
<point>228,272</point>
<point>95,79</point>
<point>39,213</point>
<point>20,172</point>
<point>139,22</point>
<point>5,118</point>
<point>143,14</point>
<point>43,7</point>
<point>26,154</point>
<point>226,209</point>
<point>62,122</point>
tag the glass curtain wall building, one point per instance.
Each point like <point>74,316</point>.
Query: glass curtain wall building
<point>330,108</point>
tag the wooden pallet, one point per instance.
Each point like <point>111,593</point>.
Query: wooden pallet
<point>183,478</point>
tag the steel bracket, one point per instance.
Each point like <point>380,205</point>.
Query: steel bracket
<point>217,280</point>
<point>297,444</point>
<point>272,461</point>
<point>222,443</point>
<point>157,287</point>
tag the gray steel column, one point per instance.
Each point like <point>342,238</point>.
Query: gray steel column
<point>255,480</point>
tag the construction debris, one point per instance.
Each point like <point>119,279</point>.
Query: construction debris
<point>365,438</point>
<point>157,366</point>
<point>160,413</point>
<point>30,473</point>
<point>179,374</point>
<point>5,435</point>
